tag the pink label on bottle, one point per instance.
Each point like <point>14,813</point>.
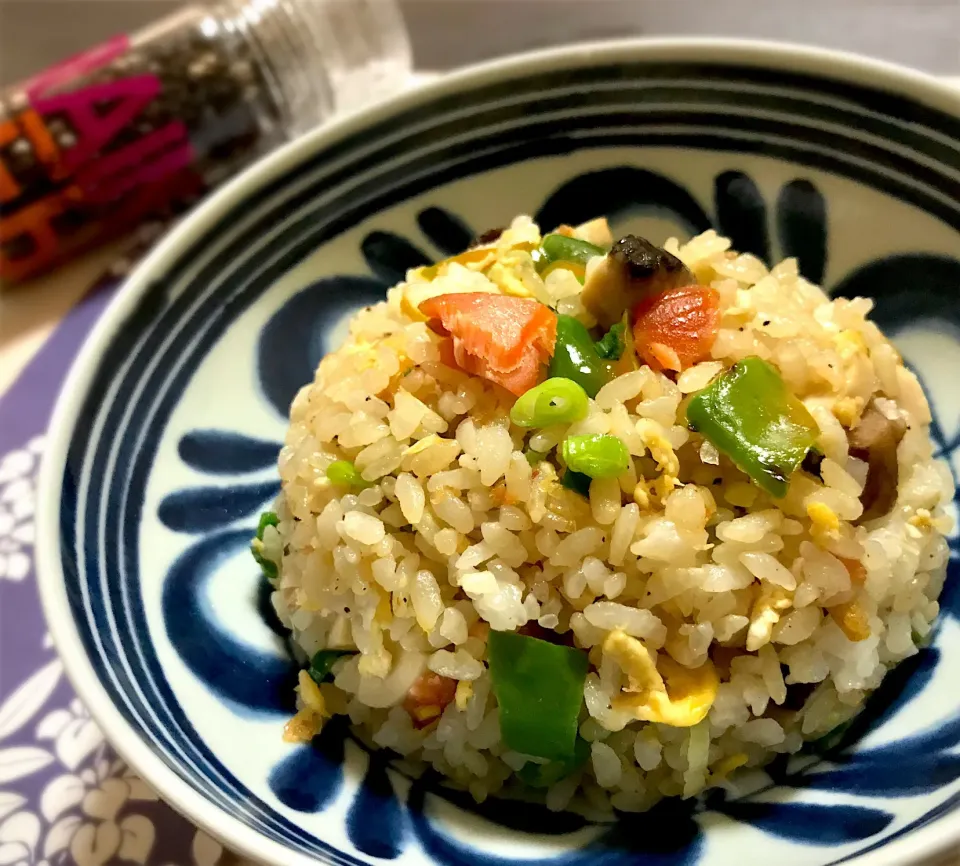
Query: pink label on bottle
<point>110,179</point>
<point>74,67</point>
<point>148,160</point>
<point>93,131</point>
<point>106,177</point>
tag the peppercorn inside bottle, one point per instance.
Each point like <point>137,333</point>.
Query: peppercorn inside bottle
<point>142,125</point>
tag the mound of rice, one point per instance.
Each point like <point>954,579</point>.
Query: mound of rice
<point>799,604</point>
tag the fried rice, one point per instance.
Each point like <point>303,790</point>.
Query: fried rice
<point>775,617</point>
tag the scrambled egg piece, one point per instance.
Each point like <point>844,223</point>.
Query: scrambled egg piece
<point>503,273</point>
<point>641,495</point>
<point>766,613</point>
<point>634,660</point>
<point>366,352</point>
<point>414,294</point>
<point>308,721</point>
<point>852,619</point>
<point>920,522</point>
<point>849,343</point>
<point>463,694</point>
<point>384,614</point>
<point>651,434</point>
<point>310,694</point>
<point>847,410</point>
<point>684,704</point>
<point>651,494</point>
<point>725,766</point>
<point>824,518</point>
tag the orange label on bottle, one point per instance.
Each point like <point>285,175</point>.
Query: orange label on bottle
<point>69,190</point>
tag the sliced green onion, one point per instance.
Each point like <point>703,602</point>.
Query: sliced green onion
<point>556,401</point>
<point>599,456</point>
<point>612,344</point>
<point>344,473</point>
<point>322,663</point>
<point>539,690</point>
<point>544,775</point>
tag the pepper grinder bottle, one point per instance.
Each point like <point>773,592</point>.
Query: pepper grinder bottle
<point>142,125</point>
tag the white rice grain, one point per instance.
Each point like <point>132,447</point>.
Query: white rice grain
<point>606,765</point>
<point>768,568</point>
<point>427,603</point>
<point>364,528</point>
<point>458,665</point>
<point>609,615</point>
<point>410,495</point>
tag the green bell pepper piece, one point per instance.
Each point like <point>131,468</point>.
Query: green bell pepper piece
<point>322,662</point>
<point>612,344</point>
<point>267,566</point>
<point>539,689</point>
<point>268,518</point>
<point>544,775</point>
<point>749,415</point>
<point>560,248</point>
<point>575,357</point>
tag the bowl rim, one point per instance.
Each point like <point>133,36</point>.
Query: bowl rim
<point>923,842</point>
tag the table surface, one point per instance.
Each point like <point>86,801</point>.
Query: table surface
<point>29,313</point>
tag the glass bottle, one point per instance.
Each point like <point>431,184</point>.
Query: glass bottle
<point>142,125</point>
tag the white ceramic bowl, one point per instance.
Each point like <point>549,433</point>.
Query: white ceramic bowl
<point>163,443</point>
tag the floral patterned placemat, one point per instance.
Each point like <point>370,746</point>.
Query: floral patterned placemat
<point>65,796</point>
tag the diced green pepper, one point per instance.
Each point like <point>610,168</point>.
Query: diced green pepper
<point>344,474</point>
<point>749,414</point>
<point>268,518</point>
<point>577,482</point>
<point>544,775</point>
<point>539,690</point>
<point>267,566</point>
<point>575,357</point>
<point>556,401</point>
<point>322,662</point>
<point>560,248</point>
<point>612,344</point>
<point>599,456</point>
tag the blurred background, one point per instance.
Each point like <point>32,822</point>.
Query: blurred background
<point>446,33</point>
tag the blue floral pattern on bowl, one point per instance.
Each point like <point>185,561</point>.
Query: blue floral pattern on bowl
<point>169,604</point>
